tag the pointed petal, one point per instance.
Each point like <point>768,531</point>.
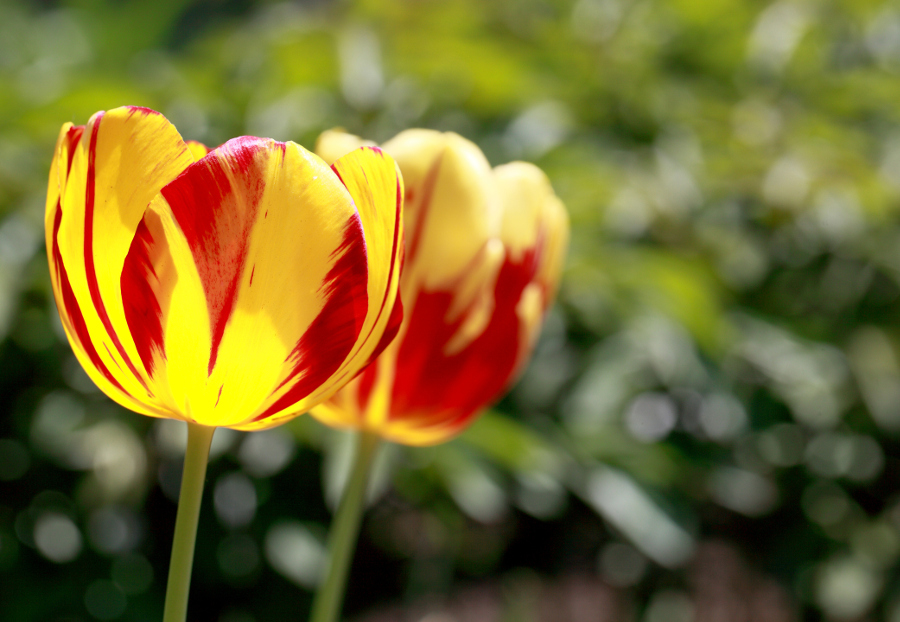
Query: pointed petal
<point>75,326</point>
<point>69,312</point>
<point>374,181</point>
<point>452,207</point>
<point>533,219</point>
<point>123,159</point>
<point>69,137</point>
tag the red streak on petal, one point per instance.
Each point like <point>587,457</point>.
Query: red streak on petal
<point>332,334</point>
<point>73,137</point>
<point>366,383</point>
<point>71,312</point>
<point>398,239</point>
<point>449,390</point>
<point>215,201</point>
<point>90,268</point>
<point>219,396</point>
<point>139,283</point>
<point>141,110</point>
<point>109,352</point>
<point>391,330</point>
<point>396,318</point>
<point>252,272</point>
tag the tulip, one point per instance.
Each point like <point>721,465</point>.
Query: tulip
<point>485,249</point>
<point>235,287</point>
<point>484,252</point>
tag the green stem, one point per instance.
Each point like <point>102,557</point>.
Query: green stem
<point>192,479</point>
<point>344,531</point>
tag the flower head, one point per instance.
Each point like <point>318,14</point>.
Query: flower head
<point>235,287</point>
<point>484,252</point>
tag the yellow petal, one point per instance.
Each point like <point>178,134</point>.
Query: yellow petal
<point>70,314</point>
<point>525,191</point>
<point>533,216</point>
<point>374,182</point>
<point>261,288</point>
<point>123,158</point>
<point>452,207</point>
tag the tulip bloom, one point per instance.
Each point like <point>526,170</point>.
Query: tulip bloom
<point>234,287</point>
<point>485,249</point>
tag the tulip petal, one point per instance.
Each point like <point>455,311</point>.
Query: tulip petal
<point>242,314</point>
<point>455,210</point>
<point>532,210</point>
<point>69,313</point>
<point>436,392</point>
<point>147,276</point>
<point>391,330</point>
<point>374,181</point>
<point>59,170</point>
<point>73,320</point>
<point>69,137</point>
<point>123,158</point>
<point>71,316</point>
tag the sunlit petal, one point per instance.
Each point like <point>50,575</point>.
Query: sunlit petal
<point>234,287</point>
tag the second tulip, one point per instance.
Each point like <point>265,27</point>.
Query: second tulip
<point>484,252</point>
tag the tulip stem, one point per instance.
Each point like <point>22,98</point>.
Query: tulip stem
<point>192,479</point>
<point>344,531</point>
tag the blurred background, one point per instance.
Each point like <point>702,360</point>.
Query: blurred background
<point>710,427</point>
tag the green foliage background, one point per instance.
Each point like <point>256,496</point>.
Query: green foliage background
<point>709,427</point>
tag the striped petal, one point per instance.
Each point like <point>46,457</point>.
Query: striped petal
<point>69,136</point>
<point>241,314</point>
<point>452,208</point>
<point>452,362</point>
<point>118,163</point>
<point>533,219</point>
<point>374,181</point>
<point>380,197</point>
<point>70,314</point>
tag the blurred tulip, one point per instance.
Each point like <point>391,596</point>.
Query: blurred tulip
<point>483,259</point>
<point>234,287</point>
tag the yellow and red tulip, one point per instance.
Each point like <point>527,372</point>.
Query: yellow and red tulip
<point>484,252</point>
<point>235,287</point>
